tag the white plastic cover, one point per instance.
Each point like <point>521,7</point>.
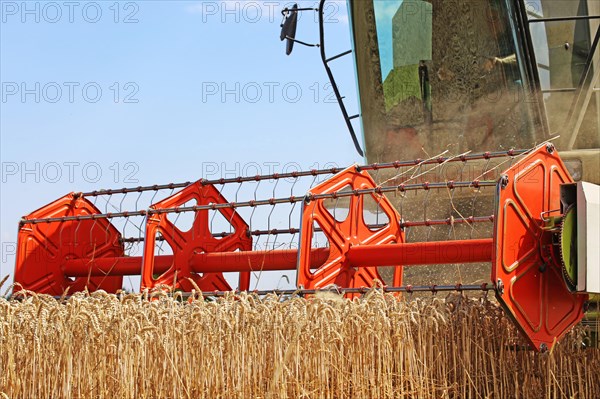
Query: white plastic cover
<point>588,237</point>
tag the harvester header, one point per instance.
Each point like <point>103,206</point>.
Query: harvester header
<point>344,233</point>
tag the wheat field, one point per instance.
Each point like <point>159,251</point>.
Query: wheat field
<point>378,346</point>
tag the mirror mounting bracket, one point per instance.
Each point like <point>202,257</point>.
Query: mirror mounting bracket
<point>288,32</point>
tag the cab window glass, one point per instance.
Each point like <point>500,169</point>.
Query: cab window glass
<point>450,76</point>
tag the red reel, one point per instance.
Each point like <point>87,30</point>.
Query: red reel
<point>343,234</point>
<point>198,239</point>
<point>44,247</point>
<point>533,292</point>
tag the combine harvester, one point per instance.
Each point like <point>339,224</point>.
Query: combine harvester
<point>351,228</point>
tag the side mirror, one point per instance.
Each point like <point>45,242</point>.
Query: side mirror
<point>288,28</point>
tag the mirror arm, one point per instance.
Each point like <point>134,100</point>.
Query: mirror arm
<point>336,91</point>
<point>301,42</point>
<point>285,11</point>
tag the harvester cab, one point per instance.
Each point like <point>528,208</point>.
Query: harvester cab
<point>441,84</point>
<point>479,74</point>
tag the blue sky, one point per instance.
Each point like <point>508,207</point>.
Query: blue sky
<point>110,94</point>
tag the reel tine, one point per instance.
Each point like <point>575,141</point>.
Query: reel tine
<point>139,228</point>
<point>137,200</point>
<point>251,218</point>
<point>485,167</point>
<point>401,211</point>
<point>275,236</point>
<point>269,220</point>
<point>238,191</point>
<point>451,230</point>
<point>126,218</point>
<point>293,186</point>
<point>91,231</point>
<point>195,218</point>
<point>162,242</point>
<point>290,215</point>
<point>121,203</point>
<point>293,236</point>
<point>425,218</point>
<point>153,197</point>
<point>250,223</point>
<point>314,180</point>
<point>107,274</point>
<point>212,219</point>
<point>75,234</point>
<point>376,177</point>
<point>141,231</point>
<point>378,197</point>
<point>60,236</point>
<point>235,210</point>
<point>106,233</point>
<point>220,190</point>
<point>473,202</point>
<point>275,188</point>
<point>107,201</point>
<point>256,189</point>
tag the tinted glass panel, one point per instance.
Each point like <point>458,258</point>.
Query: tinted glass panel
<point>447,76</point>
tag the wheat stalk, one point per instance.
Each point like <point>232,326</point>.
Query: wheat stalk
<point>98,345</point>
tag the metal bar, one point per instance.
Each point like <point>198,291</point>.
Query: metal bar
<point>274,176</point>
<point>295,230</point>
<point>272,201</point>
<point>409,289</point>
<point>313,172</point>
<point>125,190</point>
<point>83,217</point>
<point>565,90</point>
<point>335,57</point>
<point>202,263</point>
<point>424,253</point>
<point>132,240</point>
<point>301,42</point>
<point>560,19</point>
<point>448,221</point>
<point>114,266</point>
<point>288,10</point>
<point>312,197</point>
<point>239,179</point>
<point>336,90</point>
<point>439,160</point>
<point>285,259</point>
<point>404,188</point>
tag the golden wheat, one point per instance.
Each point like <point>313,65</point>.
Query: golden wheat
<point>378,346</point>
